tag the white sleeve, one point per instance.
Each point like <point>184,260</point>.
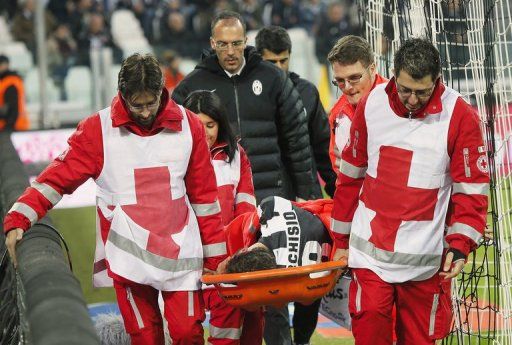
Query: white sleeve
<point>342,133</point>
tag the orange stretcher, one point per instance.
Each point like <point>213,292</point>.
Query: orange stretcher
<point>276,287</point>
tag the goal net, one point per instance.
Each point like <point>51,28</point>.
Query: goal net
<point>474,38</point>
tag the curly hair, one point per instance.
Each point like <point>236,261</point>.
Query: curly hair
<point>419,58</point>
<point>257,259</point>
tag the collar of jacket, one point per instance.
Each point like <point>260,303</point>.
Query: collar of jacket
<point>217,148</point>
<point>210,62</point>
<point>169,116</point>
<point>294,77</point>
<point>8,73</point>
<point>433,106</point>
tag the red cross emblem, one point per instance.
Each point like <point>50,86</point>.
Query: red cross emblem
<point>482,164</point>
<point>392,200</point>
<point>156,211</point>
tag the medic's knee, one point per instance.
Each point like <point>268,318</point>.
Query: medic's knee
<point>187,333</point>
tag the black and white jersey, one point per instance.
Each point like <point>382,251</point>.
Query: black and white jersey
<point>295,236</point>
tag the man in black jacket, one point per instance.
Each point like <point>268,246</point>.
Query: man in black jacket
<point>274,45</point>
<point>263,107</point>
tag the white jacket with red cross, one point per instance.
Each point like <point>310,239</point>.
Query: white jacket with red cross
<point>157,202</point>
<point>408,183</point>
<point>234,182</point>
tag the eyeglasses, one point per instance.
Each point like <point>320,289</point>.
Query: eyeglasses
<point>406,92</point>
<point>221,45</point>
<point>352,80</point>
<point>140,108</point>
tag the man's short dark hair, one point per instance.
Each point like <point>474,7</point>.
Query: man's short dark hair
<point>140,73</point>
<point>256,259</point>
<point>3,59</point>
<point>274,39</point>
<point>224,15</point>
<point>419,58</point>
<point>350,49</point>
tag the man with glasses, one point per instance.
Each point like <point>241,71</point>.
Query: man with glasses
<point>354,73</point>
<point>413,180</point>
<point>159,220</point>
<point>263,107</point>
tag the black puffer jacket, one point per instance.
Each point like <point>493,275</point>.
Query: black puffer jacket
<point>266,111</point>
<point>319,134</point>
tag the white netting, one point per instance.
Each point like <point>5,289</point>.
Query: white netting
<point>474,38</point>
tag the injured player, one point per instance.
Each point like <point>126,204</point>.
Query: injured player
<point>281,234</point>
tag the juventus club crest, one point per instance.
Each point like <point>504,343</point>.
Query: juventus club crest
<point>257,87</point>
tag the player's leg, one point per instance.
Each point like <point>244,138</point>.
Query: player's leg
<point>277,326</point>
<point>184,312</point>
<point>305,318</point>
<point>139,307</point>
<point>370,304</point>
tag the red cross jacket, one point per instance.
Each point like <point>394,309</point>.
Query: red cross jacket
<point>387,188</point>
<point>234,182</point>
<point>84,159</point>
<point>340,118</point>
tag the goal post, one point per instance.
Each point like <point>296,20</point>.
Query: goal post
<point>474,38</point>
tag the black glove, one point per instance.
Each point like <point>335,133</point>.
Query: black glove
<point>457,255</point>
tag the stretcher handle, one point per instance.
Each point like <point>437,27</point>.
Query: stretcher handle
<point>273,273</point>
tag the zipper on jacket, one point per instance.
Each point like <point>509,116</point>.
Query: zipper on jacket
<point>136,311</point>
<point>233,79</point>
<point>410,115</point>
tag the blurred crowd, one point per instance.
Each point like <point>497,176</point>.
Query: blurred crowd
<point>183,26</point>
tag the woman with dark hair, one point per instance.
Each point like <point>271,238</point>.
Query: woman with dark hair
<point>236,196</point>
<point>232,167</point>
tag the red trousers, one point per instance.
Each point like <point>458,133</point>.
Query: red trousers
<point>232,326</point>
<point>183,310</point>
<point>423,309</point>
<point>225,321</point>
<point>254,323</point>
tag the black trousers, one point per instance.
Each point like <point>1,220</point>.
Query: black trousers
<point>305,319</point>
<point>277,324</point>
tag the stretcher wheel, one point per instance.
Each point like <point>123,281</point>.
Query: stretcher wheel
<point>276,287</point>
